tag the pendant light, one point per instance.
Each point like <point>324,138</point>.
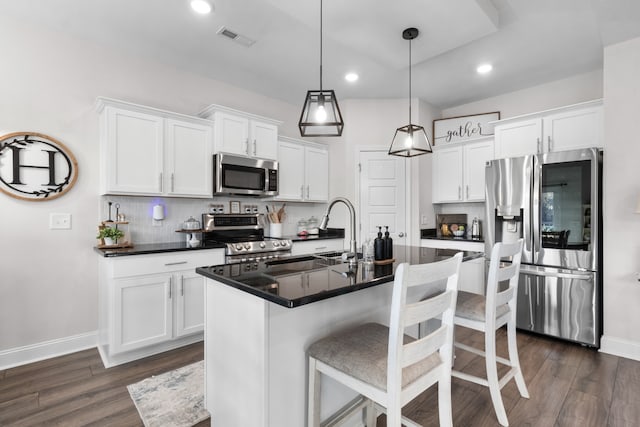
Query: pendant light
<point>410,140</point>
<point>321,113</point>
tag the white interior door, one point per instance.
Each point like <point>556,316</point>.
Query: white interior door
<point>382,196</point>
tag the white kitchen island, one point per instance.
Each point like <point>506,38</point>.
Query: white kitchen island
<point>260,319</point>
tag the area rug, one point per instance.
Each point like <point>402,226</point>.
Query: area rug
<point>172,399</point>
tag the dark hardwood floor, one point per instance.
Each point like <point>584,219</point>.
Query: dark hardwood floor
<point>569,386</point>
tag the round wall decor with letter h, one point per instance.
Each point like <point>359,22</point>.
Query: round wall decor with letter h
<point>34,166</point>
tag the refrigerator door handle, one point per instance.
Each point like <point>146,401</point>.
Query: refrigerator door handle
<point>559,274</point>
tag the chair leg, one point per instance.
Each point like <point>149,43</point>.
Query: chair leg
<point>514,359</point>
<point>370,413</point>
<point>394,416</point>
<point>444,400</point>
<point>313,395</point>
<point>492,376</point>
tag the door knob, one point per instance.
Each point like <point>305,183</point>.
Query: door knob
<point>401,234</point>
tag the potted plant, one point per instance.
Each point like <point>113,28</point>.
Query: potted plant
<point>110,235</point>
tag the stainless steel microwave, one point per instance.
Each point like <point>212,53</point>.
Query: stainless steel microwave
<point>239,175</point>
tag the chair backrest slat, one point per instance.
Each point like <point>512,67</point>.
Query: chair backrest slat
<point>403,315</point>
<point>500,271</point>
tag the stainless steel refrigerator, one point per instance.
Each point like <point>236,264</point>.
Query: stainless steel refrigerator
<point>554,202</point>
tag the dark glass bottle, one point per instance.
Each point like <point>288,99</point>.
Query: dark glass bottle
<point>388,245</point>
<point>378,246</point>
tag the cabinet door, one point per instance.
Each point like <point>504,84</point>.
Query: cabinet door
<point>472,276</point>
<point>231,134</point>
<point>447,175</point>
<point>573,130</point>
<point>189,153</point>
<point>263,142</point>
<point>142,312</point>
<point>189,303</point>
<point>316,175</point>
<point>476,155</point>
<point>291,171</point>
<point>132,153</point>
<point>518,138</point>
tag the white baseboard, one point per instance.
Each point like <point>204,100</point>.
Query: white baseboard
<point>46,350</point>
<point>620,347</point>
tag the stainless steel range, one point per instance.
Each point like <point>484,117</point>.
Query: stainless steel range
<point>243,235</point>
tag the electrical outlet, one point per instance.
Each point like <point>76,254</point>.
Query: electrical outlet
<point>59,221</point>
<point>424,219</point>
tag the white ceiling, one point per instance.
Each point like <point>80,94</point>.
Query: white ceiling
<point>529,42</point>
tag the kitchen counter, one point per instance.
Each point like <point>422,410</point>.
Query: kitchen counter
<point>279,281</point>
<point>256,334</point>
<point>155,248</point>
<point>430,233</point>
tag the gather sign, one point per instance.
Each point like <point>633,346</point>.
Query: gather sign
<point>463,128</point>
<point>35,166</point>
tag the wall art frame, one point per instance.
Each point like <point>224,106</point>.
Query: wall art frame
<point>463,128</point>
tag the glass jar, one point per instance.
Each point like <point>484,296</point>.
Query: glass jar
<point>312,225</point>
<point>302,225</point>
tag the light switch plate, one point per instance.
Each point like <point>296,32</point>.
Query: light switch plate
<point>60,221</point>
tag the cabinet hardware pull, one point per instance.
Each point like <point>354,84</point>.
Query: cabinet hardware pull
<point>307,191</point>
<point>176,263</point>
<point>181,285</point>
<point>255,147</point>
<point>302,192</point>
<point>321,247</point>
<point>538,145</point>
<point>170,286</point>
<point>172,183</point>
<point>246,146</point>
<point>467,191</point>
<point>161,182</point>
<point>549,143</point>
<point>459,192</point>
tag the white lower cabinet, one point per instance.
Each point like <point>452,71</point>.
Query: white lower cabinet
<point>315,246</point>
<point>471,277</point>
<point>151,303</point>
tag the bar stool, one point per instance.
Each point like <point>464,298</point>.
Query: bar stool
<point>383,364</point>
<point>488,314</point>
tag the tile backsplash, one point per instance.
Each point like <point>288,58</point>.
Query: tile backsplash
<point>138,211</point>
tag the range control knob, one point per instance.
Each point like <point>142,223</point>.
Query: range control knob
<point>262,245</point>
<point>247,246</point>
<point>276,244</point>
<point>239,246</point>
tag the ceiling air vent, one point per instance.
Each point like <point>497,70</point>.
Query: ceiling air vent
<point>238,38</point>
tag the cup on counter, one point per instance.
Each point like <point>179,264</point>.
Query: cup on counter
<point>275,229</point>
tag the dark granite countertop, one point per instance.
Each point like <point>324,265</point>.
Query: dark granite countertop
<point>430,233</point>
<point>300,280</point>
<point>155,248</point>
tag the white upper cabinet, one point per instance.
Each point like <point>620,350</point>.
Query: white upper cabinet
<point>458,171</point>
<point>148,152</point>
<point>246,134</point>
<point>568,128</point>
<point>303,171</point>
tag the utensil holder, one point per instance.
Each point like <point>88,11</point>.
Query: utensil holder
<point>275,229</point>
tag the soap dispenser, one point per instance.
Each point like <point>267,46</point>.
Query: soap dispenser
<point>378,246</point>
<point>388,245</point>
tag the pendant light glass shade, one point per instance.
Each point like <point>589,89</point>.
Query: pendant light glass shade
<point>410,140</point>
<point>321,114</point>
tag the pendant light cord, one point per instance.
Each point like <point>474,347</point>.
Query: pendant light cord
<point>409,81</point>
<point>320,45</point>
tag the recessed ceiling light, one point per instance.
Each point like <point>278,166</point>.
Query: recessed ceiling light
<point>201,6</point>
<point>484,68</point>
<point>351,77</point>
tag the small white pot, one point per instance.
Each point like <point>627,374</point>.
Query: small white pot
<point>108,241</point>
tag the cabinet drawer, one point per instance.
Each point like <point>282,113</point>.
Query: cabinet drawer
<point>136,265</point>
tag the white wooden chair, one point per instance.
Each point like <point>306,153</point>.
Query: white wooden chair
<point>383,364</point>
<point>488,314</point>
